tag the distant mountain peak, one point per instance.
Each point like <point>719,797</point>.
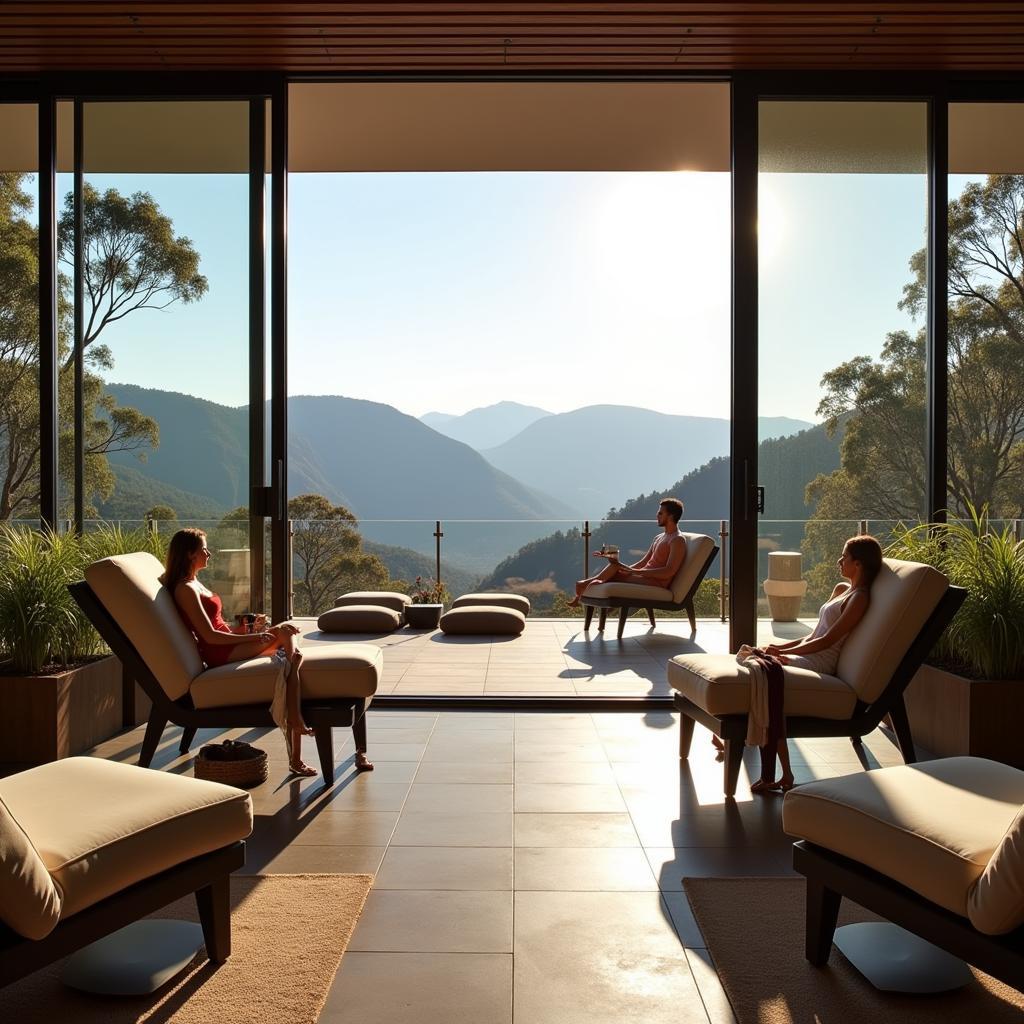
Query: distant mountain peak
<point>486,426</point>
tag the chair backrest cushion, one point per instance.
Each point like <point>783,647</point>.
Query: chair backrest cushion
<point>996,903</point>
<point>698,547</point>
<point>903,597</point>
<point>29,901</point>
<point>129,587</point>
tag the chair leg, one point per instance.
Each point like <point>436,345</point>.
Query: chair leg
<point>822,916</point>
<point>691,615</point>
<point>686,724</point>
<point>733,760</point>
<point>602,617</point>
<point>325,749</point>
<point>650,615</point>
<point>623,615</point>
<point>588,616</point>
<point>188,734</point>
<point>901,725</point>
<point>154,730</point>
<point>214,905</point>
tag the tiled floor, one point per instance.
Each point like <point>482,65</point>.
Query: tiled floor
<point>528,866</point>
<point>553,657</point>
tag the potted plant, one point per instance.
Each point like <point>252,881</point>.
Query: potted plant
<point>60,689</point>
<point>428,600</point>
<point>969,697</point>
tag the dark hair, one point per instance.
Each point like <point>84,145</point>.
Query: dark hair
<point>673,506</point>
<point>866,550</point>
<point>184,545</point>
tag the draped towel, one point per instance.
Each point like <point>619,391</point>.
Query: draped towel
<point>766,720</point>
<point>279,704</point>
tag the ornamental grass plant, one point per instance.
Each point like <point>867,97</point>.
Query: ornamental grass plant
<point>986,638</point>
<point>40,623</point>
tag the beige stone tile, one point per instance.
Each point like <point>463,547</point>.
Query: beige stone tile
<point>446,867</point>
<point>429,797</point>
<point>344,828</point>
<point>526,720</point>
<point>454,828</point>
<point>593,773</point>
<point>575,830</point>
<point>526,750</point>
<point>682,918</point>
<point>468,773</point>
<point>599,869</point>
<point>362,794</point>
<point>486,749</point>
<point>626,961</point>
<point>435,921</point>
<point>382,751</point>
<point>568,797</point>
<point>330,860</point>
<point>421,988</point>
<point>671,866</point>
<point>716,1002</point>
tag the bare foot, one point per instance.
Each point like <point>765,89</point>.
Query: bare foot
<point>574,603</point>
<point>363,763</point>
<point>303,769</point>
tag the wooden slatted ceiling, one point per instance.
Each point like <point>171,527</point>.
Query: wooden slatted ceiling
<point>572,35</point>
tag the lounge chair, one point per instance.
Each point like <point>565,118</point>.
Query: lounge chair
<point>936,848</point>
<point>88,846</point>
<point>137,617</point>
<point>677,596</point>
<point>911,604</point>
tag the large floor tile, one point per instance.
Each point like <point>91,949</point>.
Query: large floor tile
<point>627,963</point>
<point>427,797</point>
<point>421,988</point>
<point>672,866</point>
<point>446,867</point>
<point>413,921</point>
<point>454,828</point>
<point>592,869</point>
<point>315,860</point>
<point>568,797</point>
<point>466,773</point>
<point>567,830</point>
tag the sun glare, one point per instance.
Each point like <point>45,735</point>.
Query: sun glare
<point>771,223</point>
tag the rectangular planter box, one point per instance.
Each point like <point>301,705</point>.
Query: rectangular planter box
<point>951,715</point>
<point>44,718</point>
<point>423,616</point>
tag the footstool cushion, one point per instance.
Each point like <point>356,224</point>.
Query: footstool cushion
<point>484,619</point>
<point>516,601</point>
<point>360,618</point>
<point>100,826</point>
<point>380,598</point>
<point>933,826</point>
<point>330,671</point>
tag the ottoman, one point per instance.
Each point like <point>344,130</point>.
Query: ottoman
<point>378,598</point>
<point>360,618</point>
<point>483,619</point>
<point>516,601</point>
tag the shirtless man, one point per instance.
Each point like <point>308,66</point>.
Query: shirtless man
<point>657,567</point>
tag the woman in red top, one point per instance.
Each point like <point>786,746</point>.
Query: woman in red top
<point>218,644</point>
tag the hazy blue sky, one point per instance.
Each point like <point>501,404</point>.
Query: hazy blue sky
<point>449,291</point>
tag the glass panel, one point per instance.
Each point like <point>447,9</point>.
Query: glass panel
<point>986,310</point>
<point>842,196</point>
<point>166,323</point>
<point>19,314</point>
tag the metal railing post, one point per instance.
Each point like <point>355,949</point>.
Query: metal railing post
<point>437,546</point>
<point>1018,533</point>
<point>863,527</point>
<point>723,534</point>
<point>586,548</point>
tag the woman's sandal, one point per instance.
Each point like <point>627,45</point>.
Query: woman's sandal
<point>305,770</point>
<point>362,762</point>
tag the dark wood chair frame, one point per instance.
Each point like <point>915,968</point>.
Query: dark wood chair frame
<point>732,729</point>
<point>208,876</point>
<point>626,604</point>
<point>831,876</point>
<point>321,715</point>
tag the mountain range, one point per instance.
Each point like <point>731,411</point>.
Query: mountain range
<point>487,426</point>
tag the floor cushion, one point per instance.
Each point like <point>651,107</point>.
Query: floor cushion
<point>360,618</point>
<point>516,601</point>
<point>483,619</point>
<point>931,826</point>
<point>100,826</point>
<point>379,598</point>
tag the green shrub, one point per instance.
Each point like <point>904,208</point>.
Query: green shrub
<point>986,638</point>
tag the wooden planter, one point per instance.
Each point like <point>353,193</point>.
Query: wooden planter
<point>44,718</point>
<point>952,715</point>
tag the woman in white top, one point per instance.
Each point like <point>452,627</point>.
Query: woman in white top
<point>819,650</point>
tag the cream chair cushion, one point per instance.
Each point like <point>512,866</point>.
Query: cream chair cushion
<point>996,905</point>
<point>638,592</point>
<point>29,901</point>
<point>129,587</point>
<point>932,827</point>
<point>516,601</point>
<point>721,686</point>
<point>698,547</point>
<point>101,826</point>
<point>903,596</point>
<point>329,672</point>
<point>483,620</point>
<point>359,618</point>
<point>381,598</point>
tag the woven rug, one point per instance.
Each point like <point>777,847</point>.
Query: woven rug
<point>288,933</point>
<point>754,930</point>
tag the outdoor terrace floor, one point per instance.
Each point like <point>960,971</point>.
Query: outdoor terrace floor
<point>528,865</point>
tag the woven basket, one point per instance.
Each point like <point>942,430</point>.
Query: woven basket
<point>232,763</point>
